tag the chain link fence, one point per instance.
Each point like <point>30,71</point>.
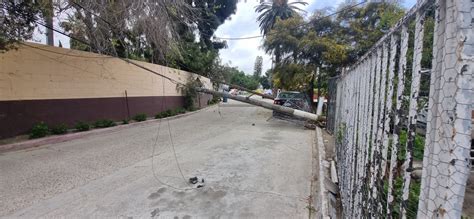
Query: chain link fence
<point>402,117</point>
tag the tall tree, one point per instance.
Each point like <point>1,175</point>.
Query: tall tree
<point>129,28</point>
<point>210,15</point>
<point>361,27</point>
<point>257,68</point>
<point>308,46</point>
<point>134,29</point>
<point>274,10</point>
<point>332,42</point>
<point>17,21</point>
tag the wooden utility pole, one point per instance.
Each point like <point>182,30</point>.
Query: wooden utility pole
<point>278,108</point>
<point>245,89</point>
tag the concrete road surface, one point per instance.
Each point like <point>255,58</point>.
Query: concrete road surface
<point>260,170</point>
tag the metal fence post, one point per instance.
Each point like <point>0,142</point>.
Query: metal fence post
<point>412,108</point>
<point>402,62</point>
<point>446,162</point>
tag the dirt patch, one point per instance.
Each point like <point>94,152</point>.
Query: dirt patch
<point>15,139</point>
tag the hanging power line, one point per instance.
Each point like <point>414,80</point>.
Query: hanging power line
<point>297,26</point>
<point>113,55</point>
<point>240,38</point>
<point>154,72</point>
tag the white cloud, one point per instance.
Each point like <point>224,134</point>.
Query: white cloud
<point>242,53</point>
<point>243,23</point>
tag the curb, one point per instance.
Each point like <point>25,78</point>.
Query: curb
<point>322,193</point>
<point>72,136</point>
<point>327,189</point>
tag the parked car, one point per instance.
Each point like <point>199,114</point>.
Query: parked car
<point>292,99</point>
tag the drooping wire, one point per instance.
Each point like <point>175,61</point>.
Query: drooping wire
<point>153,165</point>
<point>163,107</point>
<point>154,72</point>
<point>350,7</point>
<point>297,26</point>
<point>113,55</point>
<point>171,136</point>
<point>158,131</point>
<point>155,176</point>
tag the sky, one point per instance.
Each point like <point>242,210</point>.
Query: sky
<point>39,35</point>
<point>240,53</point>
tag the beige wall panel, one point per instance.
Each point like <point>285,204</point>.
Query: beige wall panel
<point>56,73</point>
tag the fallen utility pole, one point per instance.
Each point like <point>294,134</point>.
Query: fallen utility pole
<point>248,90</point>
<point>278,108</point>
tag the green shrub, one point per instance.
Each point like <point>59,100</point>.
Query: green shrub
<point>418,147</point>
<point>59,129</point>
<point>140,117</point>
<point>82,126</point>
<point>104,123</point>
<point>169,113</point>
<point>214,100</point>
<point>39,130</point>
<point>190,93</point>
<point>180,110</point>
<point>163,114</point>
<point>125,121</point>
<point>413,196</point>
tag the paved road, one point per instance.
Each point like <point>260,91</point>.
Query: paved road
<point>260,170</point>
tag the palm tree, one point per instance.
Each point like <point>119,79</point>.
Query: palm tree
<point>271,11</point>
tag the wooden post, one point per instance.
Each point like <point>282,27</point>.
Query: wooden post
<point>126,101</point>
<point>245,89</point>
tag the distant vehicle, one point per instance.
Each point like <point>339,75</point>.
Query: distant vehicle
<point>267,92</point>
<point>234,92</point>
<point>292,99</point>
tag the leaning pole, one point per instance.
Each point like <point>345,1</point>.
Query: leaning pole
<point>248,90</point>
<point>278,108</point>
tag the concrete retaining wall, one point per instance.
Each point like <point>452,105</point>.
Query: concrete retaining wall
<point>56,85</point>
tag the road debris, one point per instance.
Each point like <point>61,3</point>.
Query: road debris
<point>193,180</point>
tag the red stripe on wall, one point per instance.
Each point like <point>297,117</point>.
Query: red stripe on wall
<point>18,117</point>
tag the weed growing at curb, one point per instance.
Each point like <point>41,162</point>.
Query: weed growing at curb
<point>140,117</point>
<point>60,129</point>
<point>104,123</point>
<point>82,126</point>
<point>39,130</point>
